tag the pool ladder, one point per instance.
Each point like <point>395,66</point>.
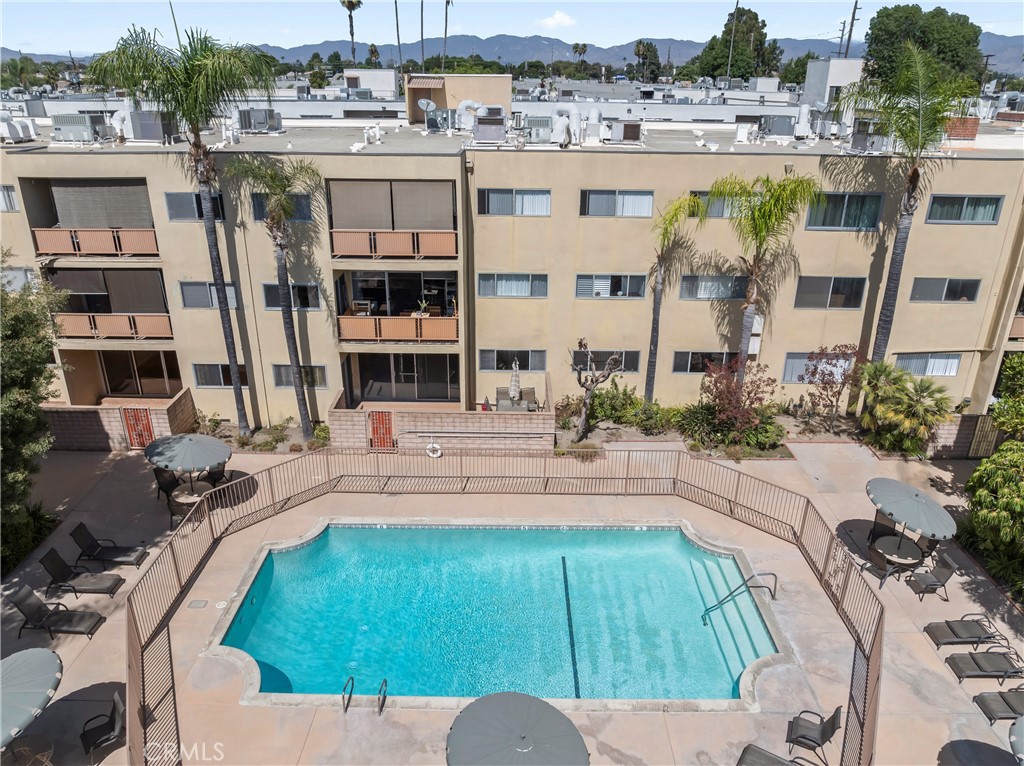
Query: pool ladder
<point>349,687</point>
<point>745,584</point>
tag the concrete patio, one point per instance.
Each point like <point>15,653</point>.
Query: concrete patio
<point>926,717</point>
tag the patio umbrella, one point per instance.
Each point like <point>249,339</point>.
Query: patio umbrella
<point>188,453</point>
<point>29,679</point>
<point>914,510</point>
<point>1017,738</point>
<point>511,728</point>
<point>513,385</point>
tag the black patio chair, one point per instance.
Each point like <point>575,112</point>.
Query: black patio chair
<point>104,549</point>
<point>880,566</point>
<point>214,476</point>
<point>166,481</point>
<point>753,755</point>
<point>109,730</point>
<point>1001,706</point>
<point>813,735</point>
<point>934,580</point>
<point>883,526</point>
<point>53,617</point>
<point>76,578</point>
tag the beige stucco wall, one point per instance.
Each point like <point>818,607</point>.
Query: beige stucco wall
<point>486,89</point>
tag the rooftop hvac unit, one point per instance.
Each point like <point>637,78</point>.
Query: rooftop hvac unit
<point>152,126</point>
<point>302,92</point>
<point>361,94</point>
<point>517,120</point>
<point>258,120</point>
<point>538,129</point>
<point>778,125</point>
<point>79,127</point>
<point>623,132</point>
<point>489,128</point>
<point>736,83</point>
<point>441,119</point>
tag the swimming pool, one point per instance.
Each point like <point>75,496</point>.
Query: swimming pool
<point>608,613</point>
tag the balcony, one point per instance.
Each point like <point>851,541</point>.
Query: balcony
<point>1017,328</point>
<point>347,243</point>
<point>96,242</point>
<point>114,326</point>
<point>398,329</point>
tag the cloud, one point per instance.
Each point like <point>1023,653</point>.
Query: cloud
<point>556,20</point>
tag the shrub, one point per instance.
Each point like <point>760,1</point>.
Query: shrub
<point>648,419</point>
<point>209,425</point>
<point>766,435</point>
<point>901,411</point>
<point>738,409</point>
<point>615,403</point>
<point>295,447</point>
<point>832,372</point>
<point>700,423</point>
<point>268,445</point>
<point>569,407</point>
<point>564,423</point>
<point>1011,376</point>
<point>322,432</point>
<point>243,442</point>
<point>996,493</point>
<point>586,452</point>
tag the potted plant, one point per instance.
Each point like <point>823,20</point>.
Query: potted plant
<point>423,308</point>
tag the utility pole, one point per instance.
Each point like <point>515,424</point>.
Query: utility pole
<point>842,36</point>
<point>984,72</point>
<point>732,39</point>
<point>849,37</point>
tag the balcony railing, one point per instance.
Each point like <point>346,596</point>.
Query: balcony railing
<point>346,243</point>
<point>1017,328</point>
<point>134,326</point>
<point>115,242</point>
<point>398,329</point>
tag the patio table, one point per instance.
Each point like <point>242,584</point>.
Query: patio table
<point>191,495</point>
<point>899,550</point>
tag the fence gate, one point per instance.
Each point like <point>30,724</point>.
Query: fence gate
<point>986,438</point>
<point>382,437</point>
<point>137,426</point>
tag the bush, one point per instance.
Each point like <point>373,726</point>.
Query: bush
<point>322,433</point>
<point>766,435</point>
<point>586,452</point>
<point>243,442</point>
<point>700,423</point>
<point>24,531</point>
<point>564,423</point>
<point>269,445</point>
<point>295,447</point>
<point>615,403</point>
<point>209,425</point>
<point>569,407</point>
<point>996,526</point>
<point>1011,376</point>
<point>648,419</point>
<point>901,411</point>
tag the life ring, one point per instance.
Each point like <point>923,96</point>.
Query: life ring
<point>434,450</point>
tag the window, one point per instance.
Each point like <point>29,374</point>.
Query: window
<point>718,208</point>
<point>15,278</point>
<point>962,209</point>
<point>630,360</point>
<point>939,365</point>
<point>8,199</point>
<point>185,206</point>
<point>521,202</point>
<point>202,295</point>
<point>697,361</point>
<point>796,365</point>
<point>610,285</point>
<point>694,288</point>
<point>854,212</point>
<point>513,286</point>
<point>217,375</point>
<point>302,209</point>
<point>830,292</point>
<point>942,290</point>
<point>499,359</point>
<point>313,376</point>
<point>617,204</point>
<point>304,297</point>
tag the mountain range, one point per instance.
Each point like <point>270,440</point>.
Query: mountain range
<point>1006,50</point>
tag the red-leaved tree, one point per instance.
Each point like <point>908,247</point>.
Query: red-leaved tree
<point>832,372</point>
<point>739,405</point>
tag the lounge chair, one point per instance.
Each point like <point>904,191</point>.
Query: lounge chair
<point>110,728</point>
<point>166,481</point>
<point>105,550</point>
<point>995,662</point>
<point>55,617</point>
<point>753,755</point>
<point>1001,706</point>
<point>935,579</point>
<point>813,735</point>
<point>77,579</point>
<point>973,629</point>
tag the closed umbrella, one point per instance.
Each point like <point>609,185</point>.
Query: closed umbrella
<point>188,453</point>
<point>910,507</point>
<point>29,680</point>
<point>509,728</point>
<point>513,385</point>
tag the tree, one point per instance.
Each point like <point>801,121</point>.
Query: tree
<point>832,372</point>
<point>752,52</point>
<point>334,61</point>
<point>672,254</point>
<point>762,213</point>
<point>423,50</point>
<point>575,51</point>
<point>316,61</point>
<point>713,61</point>
<point>795,70</point>
<point>52,74</point>
<point>589,378</point>
<point>196,83</point>
<point>444,50</point>
<point>950,38</point>
<point>317,78</point>
<point>352,6</point>
<point>647,60</point>
<point>1008,412</point>
<point>373,56</point>
<point>278,184</point>
<point>741,404</point>
<point>913,107</point>
<point>26,355</point>
<point>398,37</point>
<point>997,512</point>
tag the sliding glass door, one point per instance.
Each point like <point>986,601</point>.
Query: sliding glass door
<point>140,373</point>
<point>409,377</point>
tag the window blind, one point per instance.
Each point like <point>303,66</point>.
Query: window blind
<point>360,204</point>
<point>423,205</point>
<point>101,204</point>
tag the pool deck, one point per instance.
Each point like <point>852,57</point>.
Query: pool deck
<point>926,717</point>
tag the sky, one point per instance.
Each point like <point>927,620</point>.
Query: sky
<point>56,26</point>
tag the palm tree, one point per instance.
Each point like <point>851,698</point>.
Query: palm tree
<point>195,82</point>
<point>398,36</point>
<point>278,183</point>
<point>673,250</point>
<point>374,55</point>
<point>638,51</point>
<point>762,213</point>
<point>423,49</point>
<point>913,108</point>
<point>352,6</point>
<point>444,50</point>
<point>583,52</point>
<point>575,52</point>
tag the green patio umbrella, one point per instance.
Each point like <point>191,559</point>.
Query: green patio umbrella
<point>29,680</point>
<point>188,453</point>
<point>910,507</point>
<point>512,729</point>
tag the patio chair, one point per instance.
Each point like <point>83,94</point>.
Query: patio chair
<point>935,579</point>
<point>166,481</point>
<point>75,578</point>
<point>214,476</point>
<point>105,550</point>
<point>1001,706</point>
<point>108,730</point>
<point>178,509</point>
<point>995,662</point>
<point>54,617</point>
<point>880,566</point>
<point>973,629</point>
<point>813,735</point>
<point>753,755</point>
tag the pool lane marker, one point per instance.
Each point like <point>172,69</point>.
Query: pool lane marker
<point>572,638</point>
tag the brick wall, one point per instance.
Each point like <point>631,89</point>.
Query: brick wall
<point>952,440</point>
<point>348,428</point>
<point>963,128</point>
<point>86,428</point>
<point>181,413</point>
<point>1011,116</point>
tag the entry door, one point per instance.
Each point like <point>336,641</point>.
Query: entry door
<point>381,433</point>
<point>137,426</point>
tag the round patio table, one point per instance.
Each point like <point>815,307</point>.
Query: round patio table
<point>191,495</point>
<point>899,550</point>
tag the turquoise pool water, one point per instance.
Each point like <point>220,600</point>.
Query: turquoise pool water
<point>463,612</point>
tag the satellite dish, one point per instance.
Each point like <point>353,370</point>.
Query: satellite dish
<point>426,105</point>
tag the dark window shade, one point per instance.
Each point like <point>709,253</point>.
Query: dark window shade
<point>101,204</point>
<point>360,205</point>
<point>79,280</point>
<point>813,292</point>
<point>136,291</point>
<point>423,205</point>
<point>188,206</point>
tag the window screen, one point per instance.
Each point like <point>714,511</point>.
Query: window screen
<point>796,365</point>
<point>186,206</point>
<point>940,289</point>
<point>303,296</point>
<point>217,375</point>
<point>846,211</point>
<point>501,359</point>
<point>313,376</point>
<point>597,203</point>
<point>423,205</point>
<point>830,292</point>
<point>203,295</point>
<point>8,199</point>
<point>934,364</point>
<point>957,209</point>
<point>301,207</point>
<point>708,288</point>
<point>629,360</point>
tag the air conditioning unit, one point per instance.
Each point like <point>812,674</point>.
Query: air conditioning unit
<point>78,127</point>
<point>442,119</point>
<point>778,125</point>
<point>152,126</point>
<point>489,128</point>
<point>538,129</point>
<point>517,120</point>
<point>302,92</point>
<point>625,132</point>
<point>361,94</point>
<point>258,120</point>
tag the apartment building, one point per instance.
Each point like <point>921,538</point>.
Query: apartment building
<point>428,264</point>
